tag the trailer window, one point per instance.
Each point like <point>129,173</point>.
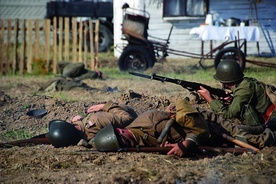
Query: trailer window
<point>185,8</point>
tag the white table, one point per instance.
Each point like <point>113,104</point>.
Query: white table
<point>250,33</point>
<point>210,33</point>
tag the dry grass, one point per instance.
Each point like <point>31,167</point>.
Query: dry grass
<point>185,69</point>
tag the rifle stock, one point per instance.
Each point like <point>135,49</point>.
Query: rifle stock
<point>191,86</point>
<point>40,139</point>
<point>240,143</point>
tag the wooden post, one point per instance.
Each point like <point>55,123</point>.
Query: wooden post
<point>80,41</point>
<point>60,41</point>
<point>97,42</point>
<point>23,49</point>
<point>29,46</point>
<point>47,25</point>
<point>91,38</point>
<point>36,44</point>
<point>85,44</point>
<point>8,54</point>
<point>15,61</point>
<point>74,33</point>
<point>66,39</point>
<point>55,45</point>
<point>2,45</point>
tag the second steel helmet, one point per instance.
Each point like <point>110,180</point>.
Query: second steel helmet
<point>106,139</point>
<point>228,71</point>
<point>63,134</point>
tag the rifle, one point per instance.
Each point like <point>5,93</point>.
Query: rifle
<point>36,140</point>
<point>191,86</point>
<point>201,149</point>
<point>242,144</point>
<point>239,143</point>
<point>44,139</point>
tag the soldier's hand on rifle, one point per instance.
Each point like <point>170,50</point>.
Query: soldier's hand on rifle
<point>95,108</point>
<point>175,149</point>
<point>204,93</point>
<point>227,99</point>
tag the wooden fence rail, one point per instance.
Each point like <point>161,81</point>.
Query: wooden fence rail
<point>27,44</point>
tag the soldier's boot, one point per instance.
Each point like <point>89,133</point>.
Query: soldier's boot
<point>255,130</point>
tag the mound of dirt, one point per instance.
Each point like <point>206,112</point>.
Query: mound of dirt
<point>75,164</point>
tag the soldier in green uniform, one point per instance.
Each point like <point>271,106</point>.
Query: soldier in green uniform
<point>250,103</point>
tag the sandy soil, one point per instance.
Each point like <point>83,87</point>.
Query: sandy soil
<point>75,164</point>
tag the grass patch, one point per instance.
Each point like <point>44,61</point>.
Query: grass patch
<point>16,135</point>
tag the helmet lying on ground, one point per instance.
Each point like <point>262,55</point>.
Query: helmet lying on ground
<point>106,139</point>
<point>63,134</point>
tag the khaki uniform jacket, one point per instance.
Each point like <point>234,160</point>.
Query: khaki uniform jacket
<point>189,125</point>
<point>112,113</point>
<point>250,103</point>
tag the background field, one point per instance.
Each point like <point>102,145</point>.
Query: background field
<point>46,164</point>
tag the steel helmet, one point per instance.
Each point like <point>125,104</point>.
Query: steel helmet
<point>106,139</point>
<point>228,71</point>
<point>63,134</point>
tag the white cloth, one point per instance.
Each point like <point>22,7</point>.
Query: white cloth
<point>250,33</point>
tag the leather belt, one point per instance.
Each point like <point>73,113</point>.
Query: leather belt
<point>268,112</point>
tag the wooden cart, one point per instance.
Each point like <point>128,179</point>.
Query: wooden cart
<point>143,51</point>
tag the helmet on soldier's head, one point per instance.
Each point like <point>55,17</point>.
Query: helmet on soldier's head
<point>63,134</point>
<point>228,71</point>
<point>106,139</point>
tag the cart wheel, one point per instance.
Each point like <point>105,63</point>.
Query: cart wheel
<point>231,53</point>
<point>135,58</point>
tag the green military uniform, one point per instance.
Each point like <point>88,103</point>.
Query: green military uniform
<point>118,115</point>
<point>79,72</point>
<point>189,125</point>
<point>72,76</point>
<point>250,103</point>
<point>266,138</point>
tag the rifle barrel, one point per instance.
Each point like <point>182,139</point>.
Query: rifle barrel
<point>191,86</point>
<point>40,139</point>
<point>141,75</point>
